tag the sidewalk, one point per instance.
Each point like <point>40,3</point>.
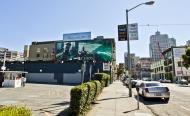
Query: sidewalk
<point>114,101</point>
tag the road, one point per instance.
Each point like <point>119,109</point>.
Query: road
<point>42,99</point>
<point>179,104</point>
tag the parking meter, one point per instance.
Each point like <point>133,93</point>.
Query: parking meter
<point>137,88</point>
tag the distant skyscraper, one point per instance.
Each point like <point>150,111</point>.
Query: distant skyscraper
<point>134,62</point>
<point>159,43</point>
<point>188,43</point>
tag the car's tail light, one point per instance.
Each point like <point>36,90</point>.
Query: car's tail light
<point>146,90</point>
<point>167,90</point>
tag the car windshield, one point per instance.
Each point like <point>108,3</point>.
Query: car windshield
<point>152,84</point>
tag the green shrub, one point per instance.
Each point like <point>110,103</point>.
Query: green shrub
<point>103,78</point>
<point>82,97</point>
<point>97,89</point>
<point>14,111</point>
<point>78,100</point>
<point>91,95</point>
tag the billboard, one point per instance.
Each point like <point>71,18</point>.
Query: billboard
<point>98,50</point>
<point>77,36</point>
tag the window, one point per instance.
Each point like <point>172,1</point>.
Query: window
<point>161,67</point>
<point>46,50</point>
<point>151,84</point>
<point>37,55</point>
<point>38,50</point>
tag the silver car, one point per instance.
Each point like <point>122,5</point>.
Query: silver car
<point>151,89</point>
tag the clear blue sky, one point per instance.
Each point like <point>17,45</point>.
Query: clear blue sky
<point>24,21</point>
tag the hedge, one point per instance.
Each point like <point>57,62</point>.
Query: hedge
<point>14,111</point>
<point>98,89</point>
<point>103,78</point>
<point>78,100</point>
<point>82,97</point>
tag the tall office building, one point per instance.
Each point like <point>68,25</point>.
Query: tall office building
<point>188,43</point>
<point>159,43</point>
<point>134,62</point>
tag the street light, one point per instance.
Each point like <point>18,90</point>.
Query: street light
<point>5,53</point>
<point>128,41</point>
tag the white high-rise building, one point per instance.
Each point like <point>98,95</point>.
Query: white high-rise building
<point>159,43</point>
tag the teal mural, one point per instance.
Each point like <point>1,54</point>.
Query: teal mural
<point>98,50</point>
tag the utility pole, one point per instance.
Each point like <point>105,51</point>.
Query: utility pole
<point>128,42</point>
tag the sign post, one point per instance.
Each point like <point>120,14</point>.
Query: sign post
<point>137,88</point>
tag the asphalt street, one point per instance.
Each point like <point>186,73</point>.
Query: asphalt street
<point>179,104</point>
<point>42,99</point>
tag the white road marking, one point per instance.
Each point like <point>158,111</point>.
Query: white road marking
<point>185,108</point>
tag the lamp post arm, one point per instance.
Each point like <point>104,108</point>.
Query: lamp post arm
<point>135,7</point>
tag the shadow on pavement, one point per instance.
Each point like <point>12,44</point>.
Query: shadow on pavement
<point>129,111</point>
<point>112,98</point>
<point>183,85</point>
<point>151,101</point>
<point>55,107</point>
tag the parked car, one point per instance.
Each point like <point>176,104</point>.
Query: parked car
<point>165,81</point>
<point>127,81</point>
<point>134,82</point>
<point>146,79</point>
<point>182,82</point>
<point>151,89</point>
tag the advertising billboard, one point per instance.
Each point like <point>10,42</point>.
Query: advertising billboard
<point>77,36</point>
<point>98,50</point>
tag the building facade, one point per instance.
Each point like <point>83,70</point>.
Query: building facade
<point>157,70</point>
<point>145,68</point>
<point>159,43</point>
<point>41,51</point>
<point>10,55</point>
<point>51,60</point>
<point>134,61</point>
<point>174,69</point>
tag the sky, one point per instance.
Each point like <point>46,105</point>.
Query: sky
<point>25,21</point>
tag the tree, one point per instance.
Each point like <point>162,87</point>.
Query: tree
<point>120,72</point>
<point>186,58</point>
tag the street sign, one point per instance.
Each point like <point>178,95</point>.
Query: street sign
<point>133,32</point>
<point>106,66</point>
<point>122,35</point>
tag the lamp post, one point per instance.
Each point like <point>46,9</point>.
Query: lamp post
<point>128,41</point>
<point>4,60</point>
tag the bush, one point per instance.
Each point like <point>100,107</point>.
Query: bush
<point>14,111</point>
<point>91,95</point>
<point>82,97</point>
<point>98,89</point>
<point>78,100</point>
<point>103,78</point>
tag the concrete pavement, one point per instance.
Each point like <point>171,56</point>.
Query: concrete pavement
<point>114,101</point>
<point>42,99</point>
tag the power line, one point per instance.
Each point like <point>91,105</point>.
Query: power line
<point>158,25</point>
